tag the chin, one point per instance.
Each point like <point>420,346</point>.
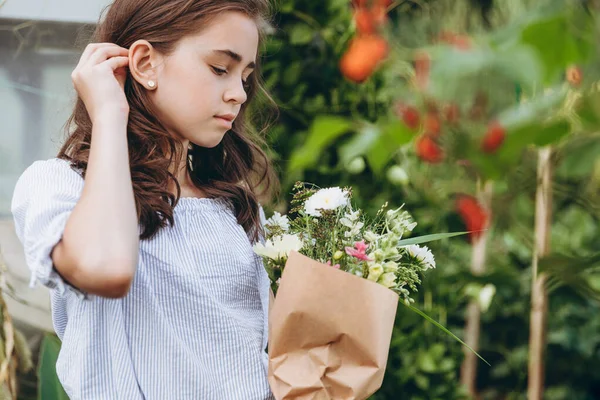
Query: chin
<point>209,143</point>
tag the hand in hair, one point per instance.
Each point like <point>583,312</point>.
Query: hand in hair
<point>99,79</point>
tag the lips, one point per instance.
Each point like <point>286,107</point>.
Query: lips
<point>226,117</point>
<point>226,121</point>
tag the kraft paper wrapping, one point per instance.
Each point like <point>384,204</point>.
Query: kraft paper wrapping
<point>329,333</point>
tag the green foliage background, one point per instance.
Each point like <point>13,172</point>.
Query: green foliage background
<point>327,121</point>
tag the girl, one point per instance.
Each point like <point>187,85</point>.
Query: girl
<point>143,225</point>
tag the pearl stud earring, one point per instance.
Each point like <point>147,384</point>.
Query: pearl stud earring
<point>151,84</point>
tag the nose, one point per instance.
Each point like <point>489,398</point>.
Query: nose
<point>235,93</point>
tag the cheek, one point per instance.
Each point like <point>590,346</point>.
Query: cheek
<point>185,93</point>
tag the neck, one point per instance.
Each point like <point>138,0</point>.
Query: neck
<point>183,177</point>
<point>181,174</point>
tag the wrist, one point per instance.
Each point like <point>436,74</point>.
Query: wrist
<point>111,115</point>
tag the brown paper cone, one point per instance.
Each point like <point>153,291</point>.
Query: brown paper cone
<point>329,333</point>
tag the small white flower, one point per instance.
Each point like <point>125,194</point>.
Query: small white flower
<point>356,166</point>
<point>390,266</point>
<point>422,254</point>
<point>326,199</point>
<point>279,220</point>
<point>375,271</point>
<point>397,175</point>
<point>486,294</point>
<point>355,230</point>
<point>346,222</point>
<point>388,279</point>
<point>278,247</point>
<point>371,237</point>
<point>404,222</point>
<point>353,215</point>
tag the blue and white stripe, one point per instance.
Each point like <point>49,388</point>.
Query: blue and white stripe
<point>194,324</point>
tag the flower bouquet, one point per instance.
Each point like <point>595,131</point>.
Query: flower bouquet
<point>337,279</point>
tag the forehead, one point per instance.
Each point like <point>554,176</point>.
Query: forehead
<point>228,31</point>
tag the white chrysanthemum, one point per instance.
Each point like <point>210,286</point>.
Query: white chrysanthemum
<point>422,254</point>
<point>326,199</point>
<point>280,221</point>
<point>278,247</point>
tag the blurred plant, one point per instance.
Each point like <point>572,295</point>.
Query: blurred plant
<point>15,355</point>
<point>466,94</point>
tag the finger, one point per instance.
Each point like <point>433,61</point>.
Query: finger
<point>91,48</point>
<point>117,62</point>
<point>105,53</point>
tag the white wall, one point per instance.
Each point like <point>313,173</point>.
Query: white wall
<point>36,97</point>
<point>84,11</point>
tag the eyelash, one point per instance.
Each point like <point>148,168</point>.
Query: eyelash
<point>220,72</point>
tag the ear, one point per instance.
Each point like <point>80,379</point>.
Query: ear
<point>143,59</point>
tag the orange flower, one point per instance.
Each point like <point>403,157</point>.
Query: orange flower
<point>409,115</point>
<point>363,56</point>
<point>428,150</point>
<point>574,75</point>
<point>473,214</point>
<point>364,21</point>
<point>494,137</point>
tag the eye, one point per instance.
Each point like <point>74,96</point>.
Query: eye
<point>246,84</point>
<point>219,71</point>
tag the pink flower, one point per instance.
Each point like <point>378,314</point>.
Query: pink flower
<point>359,251</point>
<point>336,266</point>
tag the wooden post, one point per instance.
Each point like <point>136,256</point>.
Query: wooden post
<point>468,369</point>
<point>539,297</point>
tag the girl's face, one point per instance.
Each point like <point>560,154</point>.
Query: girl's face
<point>200,87</point>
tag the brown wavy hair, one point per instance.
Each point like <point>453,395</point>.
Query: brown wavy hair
<point>234,170</point>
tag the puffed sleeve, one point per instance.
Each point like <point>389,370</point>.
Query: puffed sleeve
<point>44,197</point>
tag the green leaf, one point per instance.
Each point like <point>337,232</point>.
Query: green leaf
<point>301,34</point>
<point>445,330</point>
<point>521,64</point>
<point>359,144</point>
<point>580,161</point>
<point>392,136</point>
<point>398,133</point>
<point>588,111</point>
<point>428,238</point>
<point>565,270</point>
<point>552,133</point>
<point>324,130</point>
<point>426,362</point>
<point>492,168</point>
<point>422,381</point>
<point>533,110</point>
<point>292,73</point>
<point>556,43</point>
<point>49,385</point>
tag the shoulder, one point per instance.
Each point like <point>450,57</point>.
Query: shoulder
<point>53,167</point>
<point>47,178</point>
<point>49,172</point>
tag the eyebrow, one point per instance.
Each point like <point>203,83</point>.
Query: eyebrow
<point>235,56</point>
